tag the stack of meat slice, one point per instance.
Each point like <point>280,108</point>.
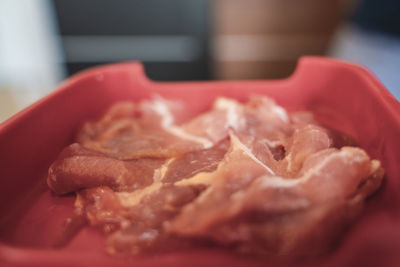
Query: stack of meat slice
<point>249,177</point>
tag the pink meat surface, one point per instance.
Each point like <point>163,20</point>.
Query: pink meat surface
<point>248,177</point>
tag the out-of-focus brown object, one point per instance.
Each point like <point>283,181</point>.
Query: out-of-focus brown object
<point>8,103</point>
<point>264,38</point>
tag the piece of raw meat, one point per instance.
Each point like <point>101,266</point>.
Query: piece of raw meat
<point>248,177</point>
<point>276,215</point>
<point>129,131</point>
<point>79,168</point>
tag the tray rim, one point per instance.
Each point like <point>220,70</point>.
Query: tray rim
<point>374,85</point>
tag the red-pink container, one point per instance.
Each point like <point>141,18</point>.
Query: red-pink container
<point>342,95</point>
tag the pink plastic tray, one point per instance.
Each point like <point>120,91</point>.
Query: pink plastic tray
<point>342,95</point>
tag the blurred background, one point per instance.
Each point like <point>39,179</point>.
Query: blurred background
<point>43,42</point>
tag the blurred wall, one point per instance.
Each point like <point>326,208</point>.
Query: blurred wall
<point>30,56</point>
<point>169,37</point>
<point>43,41</point>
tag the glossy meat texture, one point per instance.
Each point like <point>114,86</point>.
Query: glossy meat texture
<point>142,213</point>
<point>248,177</point>
<point>275,215</point>
<point>129,131</point>
<point>79,168</point>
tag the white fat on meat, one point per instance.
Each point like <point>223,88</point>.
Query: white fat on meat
<point>206,178</point>
<point>233,110</point>
<point>280,112</point>
<point>239,145</point>
<point>316,171</point>
<point>129,199</point>
<point>167,122</point>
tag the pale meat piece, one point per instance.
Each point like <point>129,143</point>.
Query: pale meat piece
<point>260,117</point>
<point>339,139</point>
<point>249,177</point>
<point>305,141</point>
<point>137,217</point>
<point>101,208</point>
<point>269,125</point>
<point>145,231</point>
<point>237,170</point>
<point>151,208</point>
<point>149,129</point>
<point>302,118</point>
<point>286,160</point>
<point>129,131</point>
<point>225,115</point>
<point>266,119</point>
<point>116,116</point>
<point>79,168</point>
<point>110,211</point>
<point>274,215</point>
